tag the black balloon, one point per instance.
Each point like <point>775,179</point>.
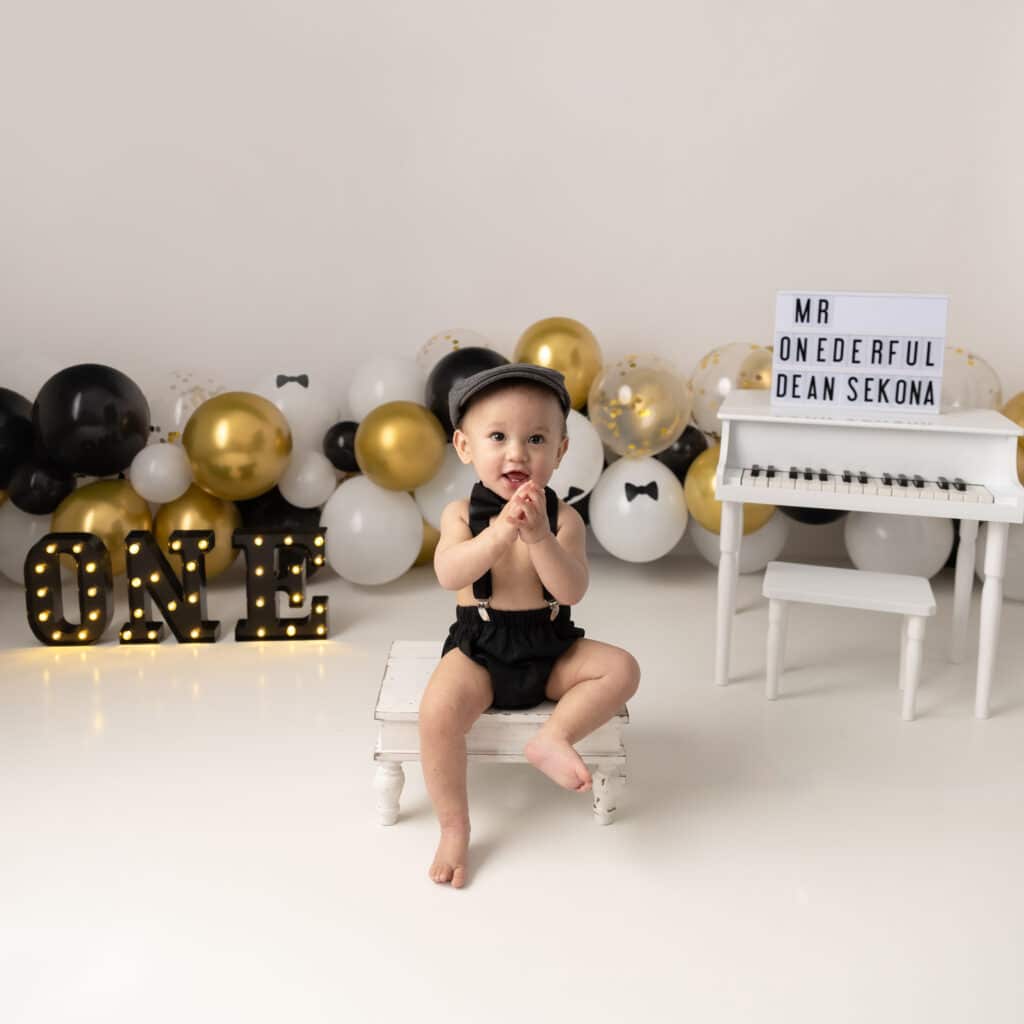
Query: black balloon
<point>814,516</point>
<point>91,419</point>
<point>340,446</point>
<point>678,456</point>
<point>272,511</point>
<point>39,487</point>
<point>451,370</point>
<point>15,433</point>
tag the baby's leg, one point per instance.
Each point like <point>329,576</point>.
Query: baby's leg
<point>591,681</point>
<point>459,691</point>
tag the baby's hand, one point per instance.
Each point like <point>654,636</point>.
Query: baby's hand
<point>533,521</point>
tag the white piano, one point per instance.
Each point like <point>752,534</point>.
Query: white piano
<point>960,465</point>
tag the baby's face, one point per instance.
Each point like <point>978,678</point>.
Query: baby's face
<point>511,436</point>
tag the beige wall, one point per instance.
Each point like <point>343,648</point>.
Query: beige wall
<point>283,184</point>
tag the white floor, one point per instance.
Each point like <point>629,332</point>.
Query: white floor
<point>188,833</point>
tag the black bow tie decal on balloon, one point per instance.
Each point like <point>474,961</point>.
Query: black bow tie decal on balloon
<point>573,492</point>
<point>303,379</point>
<point>651,490</point>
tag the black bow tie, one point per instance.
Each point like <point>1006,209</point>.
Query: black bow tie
<point>484,504</point>
<point>651,490</point>
<point>303,379</point>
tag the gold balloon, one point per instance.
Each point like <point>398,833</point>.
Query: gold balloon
<point>639,405</point>
<point>430,538</point>
<point>1020,459</point>
<point>110,509</point>
<point>699,490</point>
<point>756,370</point>
<point>1014,409</point>
<point>400,445</point>
<point>566,345</point>
<point>238,445</point>
<point>198,510</point>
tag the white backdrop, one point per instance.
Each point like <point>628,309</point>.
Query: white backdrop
<point>258,185</point>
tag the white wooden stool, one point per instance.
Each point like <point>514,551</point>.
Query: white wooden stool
<point>497,737</point>
<point>909,596</point>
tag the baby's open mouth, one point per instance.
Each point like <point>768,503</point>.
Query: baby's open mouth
<point>516,478</point>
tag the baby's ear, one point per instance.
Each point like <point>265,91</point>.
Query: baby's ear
<point>461,445</point>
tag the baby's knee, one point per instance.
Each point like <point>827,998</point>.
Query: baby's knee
<point>442,714</point>
<point>627,670</point>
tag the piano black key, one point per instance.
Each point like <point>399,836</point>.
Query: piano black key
<point>887,479</point>
<point>770,472</point>
<point>918,480</point>
<point>822,475</point>
<point>902,480</point>
<point>862,477</point>
<point>847,477</point>
<point>793,472</point>
<point>755,470</point>
<point>943,483</point>
<point>959,484</point>
<point>808,473</point>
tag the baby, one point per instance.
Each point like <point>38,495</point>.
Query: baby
<point>516,556</point>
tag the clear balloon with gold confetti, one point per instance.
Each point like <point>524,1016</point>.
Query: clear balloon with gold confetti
<point>968,382</point>
<point>437,346</point>
<point>719,372</point>
<point>639,405</point>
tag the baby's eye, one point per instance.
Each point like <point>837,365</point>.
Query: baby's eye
<point>536,439</point>
<point>496,435</point>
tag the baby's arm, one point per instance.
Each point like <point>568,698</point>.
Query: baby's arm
<point>461,558</point>
<point>561,560</point>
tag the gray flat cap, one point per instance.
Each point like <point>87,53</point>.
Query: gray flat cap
<point>510,373</point>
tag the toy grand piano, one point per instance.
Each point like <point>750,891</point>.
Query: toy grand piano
<point>959,465</point>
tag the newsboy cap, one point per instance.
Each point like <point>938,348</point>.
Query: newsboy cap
<point>510,373</point>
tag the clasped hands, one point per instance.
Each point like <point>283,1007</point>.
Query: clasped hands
<point>525,515</point>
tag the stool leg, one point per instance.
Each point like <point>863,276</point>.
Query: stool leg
<point>778,615</point>
<point>904,626</point>
<point>607,781</point>
<point>388,782</point>
<point>915,640</point>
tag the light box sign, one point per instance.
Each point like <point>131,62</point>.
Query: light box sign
<point>863,355</point>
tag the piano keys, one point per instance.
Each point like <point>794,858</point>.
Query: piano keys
<point>960,465</point>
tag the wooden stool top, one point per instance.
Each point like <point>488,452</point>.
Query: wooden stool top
<point>849,588</point>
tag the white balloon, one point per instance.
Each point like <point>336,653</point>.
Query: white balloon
<point>373,535</point>
<point>1013,580</point>
<point>384,379</point>
<point>309,479</point>
<point>437,346</point>
<point>161,472</point>
<point>18,532</point>
<point>306,403</point>
<point>173,397</point>
<point>452,481</point>
<point>645,527</point>
<point>583,461</point>
<point>914,545</point>
<point>757,549</point>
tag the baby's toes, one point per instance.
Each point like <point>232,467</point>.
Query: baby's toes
<point>459,877</point>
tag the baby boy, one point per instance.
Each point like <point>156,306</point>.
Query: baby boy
<point>516,556</point>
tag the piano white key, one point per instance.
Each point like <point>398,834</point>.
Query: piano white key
<point>782,482</point>
<point>874,486</point>
<point>932,492</point>
<point>985,496</point>
<point>829,483</point>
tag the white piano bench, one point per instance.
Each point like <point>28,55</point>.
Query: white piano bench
<point>909,596</point>
<point>497,737</point>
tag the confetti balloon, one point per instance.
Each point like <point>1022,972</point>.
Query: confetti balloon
<point>718,373</point>
<point>437,346</point>
<point>639,405</point>
<point>756,370</point>
<point>968,382</point>
<point>705,508</point>
<point>563,344</point>
<point>173,399</point>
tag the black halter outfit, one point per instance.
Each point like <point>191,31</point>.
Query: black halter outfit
<point>518,648</point>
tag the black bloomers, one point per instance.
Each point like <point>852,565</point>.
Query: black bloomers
<point>518,649</point>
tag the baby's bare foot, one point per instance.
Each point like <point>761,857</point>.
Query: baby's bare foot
<point>556,758</point>
<point>450,860</point>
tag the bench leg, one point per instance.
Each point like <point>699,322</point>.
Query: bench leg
<point>607,782</point>
<point>914,630</point>
<point>388,782</point>
<point>778,615</point>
